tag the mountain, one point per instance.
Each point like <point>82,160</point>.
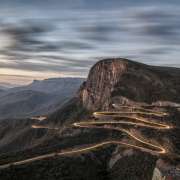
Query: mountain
<point>37,98</point>
<point>73,142</point>
<point>52,86</point>
<point>128,82</point>
<point>6,86</point>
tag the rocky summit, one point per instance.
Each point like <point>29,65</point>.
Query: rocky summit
<point>128,82</point>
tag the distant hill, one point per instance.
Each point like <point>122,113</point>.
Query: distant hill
<point>6,86</point>
<point>37,98</point>
<point>128,82</point>
<point>52,86</point>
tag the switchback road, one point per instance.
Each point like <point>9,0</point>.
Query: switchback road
<point>109,124</point>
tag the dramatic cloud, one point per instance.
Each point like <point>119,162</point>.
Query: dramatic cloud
<point>161,24</point>
<point>51,41</point>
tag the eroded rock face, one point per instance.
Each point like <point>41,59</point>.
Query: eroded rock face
<point>127,82</point>
<point>101,81</point>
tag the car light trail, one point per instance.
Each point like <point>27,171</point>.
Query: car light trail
<point>109,125</point>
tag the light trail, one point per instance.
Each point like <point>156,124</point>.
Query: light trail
<point>157,149</point>
<point>115,114</point>
<point>142,122</point>
<point>44,127</point>
<point>70,152</point>
<point>39,118</point>
<point>139,110</point>
<point>120,123</point>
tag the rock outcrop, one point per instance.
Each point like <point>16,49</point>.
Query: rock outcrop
<point>127,82</point>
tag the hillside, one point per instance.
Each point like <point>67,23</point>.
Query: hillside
<point>121,122</point>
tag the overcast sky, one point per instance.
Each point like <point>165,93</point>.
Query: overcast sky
<point>56,38</point>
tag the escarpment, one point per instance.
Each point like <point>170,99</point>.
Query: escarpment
<point>127,82</point>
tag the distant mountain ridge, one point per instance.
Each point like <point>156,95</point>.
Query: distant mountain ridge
<point>52,85</point>
<point>39,97</point>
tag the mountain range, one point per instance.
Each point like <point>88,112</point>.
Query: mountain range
<point>37,98</point>
<point>122,121</point>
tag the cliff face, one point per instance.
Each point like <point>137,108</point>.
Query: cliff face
<point>124,81</point>
<point>100,83</point>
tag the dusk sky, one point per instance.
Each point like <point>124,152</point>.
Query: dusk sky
<point>57,38</point>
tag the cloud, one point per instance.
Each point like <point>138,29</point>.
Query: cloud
<point>71,42</point>
<point>25,35</point>
<point>48,63</point>
<point>161,24</point>
<point>98,31</point>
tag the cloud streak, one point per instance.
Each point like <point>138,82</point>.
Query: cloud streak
<point>70,42</point>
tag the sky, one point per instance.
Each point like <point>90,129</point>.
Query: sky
<point>58,38</point>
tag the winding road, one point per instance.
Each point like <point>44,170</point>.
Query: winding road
<point>111,123</point>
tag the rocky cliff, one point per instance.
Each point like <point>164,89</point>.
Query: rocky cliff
<point>127,82</point>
